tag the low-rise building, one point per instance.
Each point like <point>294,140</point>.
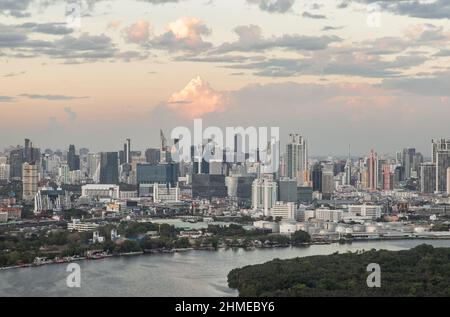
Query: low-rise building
<point>77,225</point>
<point>98,191</point>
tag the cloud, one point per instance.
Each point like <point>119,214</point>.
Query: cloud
<point>274,6</point>
<point>433,9</point>
<point>84,47</point>
<point>196,100</point>
<point>6,99</point>
<point>47,28</point>
<point>16,8</point>
<point>15,74</point>
<point>138,32</point>
<point>50,97</point>
<point>250,39</point>
<point>434,85</point>
<point>184,34</point>
<point>307,14</point>
<point>70,114</point>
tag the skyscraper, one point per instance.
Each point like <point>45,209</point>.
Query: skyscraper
<point>316,177</point>
<point>428,178</point>
<point>448,181</point>
<point>297,159</point>
<point>73,160</point>
<point>373,171</point>
<point>442,164</point>
<point>408,161</point>
<point>152,156</point>
<point>127,151</point>
<point>436,145</point>
<point>109,168</point>
<point>264,195</point>
<point>30,179</point>
<point>16,161</point>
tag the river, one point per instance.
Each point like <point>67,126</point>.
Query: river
<point>193,273</point>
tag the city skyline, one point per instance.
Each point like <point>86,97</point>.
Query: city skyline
<point>373,74</point>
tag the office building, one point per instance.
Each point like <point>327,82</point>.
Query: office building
<point>316,177</point>
<point>16,162</point>
<point>98,191</point>
<point>428,178</point>
<point>73,160</point>
<point>287,190</point>
<point>205,186</point>
<point>165,193</point>
<point>369,211</point>
<point>240,188</point>
<point>284,211</point>
<point>109,168</point>
<point>438,145</point>
<point>152,156</point>
<point>442,164</point>
<point>327,183</point>
<point>328,215</point>
<point>158,173</point>
<point>93,162</point>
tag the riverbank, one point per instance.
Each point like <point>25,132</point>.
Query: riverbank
<point>104,255</point>
<point>192,273</point>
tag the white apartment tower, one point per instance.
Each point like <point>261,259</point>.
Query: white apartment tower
<point>297,159</point>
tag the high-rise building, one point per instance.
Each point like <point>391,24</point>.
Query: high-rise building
<point>127,151</point>
<point>152,156</point>
<point>373,171</point>
<point>30,179</point>
<point>287,190</point>
<point>388,177</point>
<point>442,164</point>
<point>436,145</point>
<point>408,161</point>
<point>297,159</point>
<point>109,168</point>
<point>327,183</point>
<point>448,181</point>
<point>264,195</point>
<point>240,187</point>
<point>316,177</point>
<point>158,173</point>
<point>73,160</point>
<point>209,186</point>
<point>64,174</point>
<point>16,161</point>
<point>428,178</point>
<point>93,162</point>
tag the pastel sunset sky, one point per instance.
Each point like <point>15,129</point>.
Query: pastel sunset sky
<point>375,74</point>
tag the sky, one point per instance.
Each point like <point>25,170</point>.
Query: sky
<point>373,74</point>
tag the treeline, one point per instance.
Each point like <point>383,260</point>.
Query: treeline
<point>422,271</point>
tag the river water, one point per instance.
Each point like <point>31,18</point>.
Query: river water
<point>193,273</point>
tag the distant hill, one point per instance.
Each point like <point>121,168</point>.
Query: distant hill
<point>422,271</point>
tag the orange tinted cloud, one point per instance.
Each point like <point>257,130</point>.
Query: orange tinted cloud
<point>138,32</point>
<point>197,99</point>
